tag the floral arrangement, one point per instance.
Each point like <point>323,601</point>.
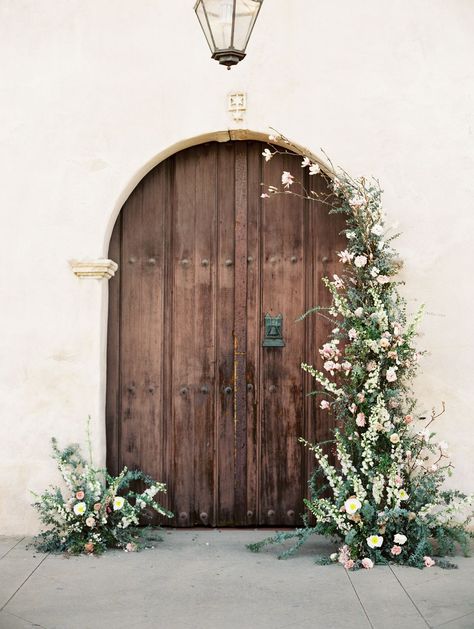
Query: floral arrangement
<point>100,511</point>
<point>382,499</point>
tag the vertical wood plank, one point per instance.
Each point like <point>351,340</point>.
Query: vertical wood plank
<point>112,416</point>
<point>240,336</point>
<point>224,330</point>
<point>283,292</point>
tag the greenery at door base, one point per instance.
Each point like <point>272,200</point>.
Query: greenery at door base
<point>383,499</point>
<point>100,511</point>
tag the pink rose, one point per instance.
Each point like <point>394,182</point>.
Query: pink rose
<point>398,481</point>
<point>130,547</point>
<point>97,506</point>
<point>360,419</point>
<point>367,563</point>
<point>80,495</point>
<point>428,561</point>
<point>324,405</point>
<point>90,522</point>
<point>89,547</point>
<point>396,550</point>
<point>360,397</point>
<point>408,419</point>
<point>349,564</point>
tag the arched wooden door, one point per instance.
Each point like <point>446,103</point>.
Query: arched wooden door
<point>195,396</point>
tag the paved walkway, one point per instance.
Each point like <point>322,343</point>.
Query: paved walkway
<point>206,579</point>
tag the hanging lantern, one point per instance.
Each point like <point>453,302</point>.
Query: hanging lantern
<point>227,25</point>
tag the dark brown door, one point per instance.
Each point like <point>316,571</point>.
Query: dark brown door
<point>193,396</point>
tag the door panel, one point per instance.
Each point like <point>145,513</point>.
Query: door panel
<point>193,398</point>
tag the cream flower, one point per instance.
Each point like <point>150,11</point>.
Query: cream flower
<point>360,261</point>
<point>402,494</point>
<point>400,539</point>
<point>80,508</point>
<point>384,343</point>
<point>367,563</point>
<point>391,374</point>
<point>324,405</point>
<point>443,446</point>
<point>360,420</point>
<point>375,541</point>
<point>395,438</point>
<point>267,154</point>
<point>90,522</point>
<point>314,169</point>
<point>352,334</point>
<point>118,503</point>
<point>306,162</point>
<point>352,505</point>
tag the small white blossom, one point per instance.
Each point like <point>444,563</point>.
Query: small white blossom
<point>267,154</point>
<point>360,261</point>
<point>287,179</point>
<point>314,169</point>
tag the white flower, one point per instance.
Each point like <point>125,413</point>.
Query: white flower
<point>324,405</point>
<point>391,374</point>
<point>374,271</point>
<point>384,343</point>
<point>264,195</point>
<point>358,312</point>
<point>267,154</point>
<point>352,334</point>
<point>118,503</point>
<point>402,494</point>
<point>80,508</point>
<point>287,179</point>
<point>90,522</point>
<point>350,235</point>
<point>306,162</point>
<point>352,505</point>
<point>443,446</point>
<point>334,557</point>
<point>383,279</point>
<point>273,138</point>
<point>377,230</point>
<point>338,282</point>
<point>394,438</point>
<point>375,541</point>
<point>360,261</point>
<point>314,169</point>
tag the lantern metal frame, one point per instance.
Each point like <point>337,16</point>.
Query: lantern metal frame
<point>229,56</point>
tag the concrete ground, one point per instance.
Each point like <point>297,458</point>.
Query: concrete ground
<point>206,579</point>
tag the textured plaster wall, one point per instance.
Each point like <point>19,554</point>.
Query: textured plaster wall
<point>94,93</point>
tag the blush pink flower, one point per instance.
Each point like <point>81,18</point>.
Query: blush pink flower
<point>367,563</point>
<point>429,563</point>
<point>324,405</point>
<point>80,495</point>
<point>396,550</point>
<point>360,419</point>
<point>349,564</point>
<point>391,374</point>
<point>360,397</point>
<point>287,179</point>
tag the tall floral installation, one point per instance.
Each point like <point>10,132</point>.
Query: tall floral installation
<point>383,498</point>
<point>99,511</point>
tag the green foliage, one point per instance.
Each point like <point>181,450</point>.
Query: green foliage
<point>100,511</point>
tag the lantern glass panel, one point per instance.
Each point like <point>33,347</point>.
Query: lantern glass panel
<point>246,12</point>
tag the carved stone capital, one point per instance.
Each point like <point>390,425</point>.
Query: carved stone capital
<point>94,269</point>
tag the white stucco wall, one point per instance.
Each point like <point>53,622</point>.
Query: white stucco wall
<point>92,93</point>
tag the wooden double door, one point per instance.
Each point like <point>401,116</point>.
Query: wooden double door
<point>197,396</point>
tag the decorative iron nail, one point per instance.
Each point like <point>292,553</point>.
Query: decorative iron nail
<point>294,259</point>
<point>132,259</point>
<point>271,513</point>
<point>204,390</point>
<point>272,388</point>
<point>151,260</point>
<point>131,388</point>
<point>183,391</point>
<point>249,514</point>
<point>183,515</point>
<point>228,262</point>
<point>273,259</point>
<point>151,389</point>
<point>203,515</point>
<point>290,513</point>
<point>325,259</point>
<point>205,262</point>
<point>228,390</point>
<point>185,262</point>
<point>250,259</point>
<point>250,387</point>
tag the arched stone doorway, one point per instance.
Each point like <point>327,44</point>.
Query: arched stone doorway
<point>196,396</point>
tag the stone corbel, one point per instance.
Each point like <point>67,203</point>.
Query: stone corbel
<point>94,269</point>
